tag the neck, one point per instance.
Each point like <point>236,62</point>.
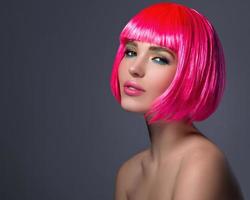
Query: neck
<point>165,137</point>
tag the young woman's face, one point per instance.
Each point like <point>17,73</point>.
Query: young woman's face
<point>145,72</point>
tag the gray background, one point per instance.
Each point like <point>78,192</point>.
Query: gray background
<point>63,135</point>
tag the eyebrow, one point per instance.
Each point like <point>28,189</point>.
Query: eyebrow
<point>153,48</point>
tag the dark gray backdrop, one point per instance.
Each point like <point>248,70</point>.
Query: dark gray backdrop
<point>63,135</point>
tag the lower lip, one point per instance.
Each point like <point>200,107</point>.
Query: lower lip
<point>132,92</point>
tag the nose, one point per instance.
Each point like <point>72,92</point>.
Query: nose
<point>137,69</point>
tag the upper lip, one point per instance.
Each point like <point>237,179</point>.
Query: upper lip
<point>134,85</point>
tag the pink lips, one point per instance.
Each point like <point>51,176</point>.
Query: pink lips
<point>132,88</point>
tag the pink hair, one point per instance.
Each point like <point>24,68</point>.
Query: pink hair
<point>199,81</point>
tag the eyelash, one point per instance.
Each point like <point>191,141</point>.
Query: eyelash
<point>163,60</point>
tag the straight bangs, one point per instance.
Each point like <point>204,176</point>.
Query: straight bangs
<point>199,81</point>
<point>156,25</point>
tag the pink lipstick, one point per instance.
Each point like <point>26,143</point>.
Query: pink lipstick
<point>132,88</point>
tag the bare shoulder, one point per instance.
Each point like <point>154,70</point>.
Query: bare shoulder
<point>126,175</point>
<point>132,165</point>
<point>199,147</point>
<point>205,174</point>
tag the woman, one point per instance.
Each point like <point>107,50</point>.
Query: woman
<point>170,67</point>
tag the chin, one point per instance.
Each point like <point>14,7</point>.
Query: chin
<point>135,107</point>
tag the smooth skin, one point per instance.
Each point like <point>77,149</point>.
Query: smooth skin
<point>181,163</point>
<point>201,173</point>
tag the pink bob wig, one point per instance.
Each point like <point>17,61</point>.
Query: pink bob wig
<point>199,81</point>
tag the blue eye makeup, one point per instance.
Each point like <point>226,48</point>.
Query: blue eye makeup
<point>159,60</point>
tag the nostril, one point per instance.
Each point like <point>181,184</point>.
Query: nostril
<point>136,72</point>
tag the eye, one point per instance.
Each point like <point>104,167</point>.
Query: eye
<point>161,61</point>
<point>129,53</point>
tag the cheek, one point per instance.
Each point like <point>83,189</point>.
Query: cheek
<point>165,82</point>
<point>121,75</point>
<point>160,82</point>
<point>121,69</point>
